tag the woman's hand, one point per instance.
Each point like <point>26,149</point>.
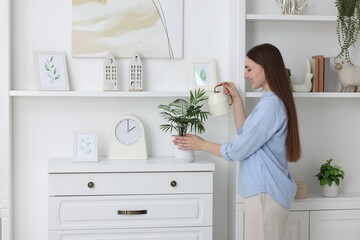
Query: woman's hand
<point>239,111</point>
<point>189,142</point>
<point>230,90</point>
<point>193,142</point>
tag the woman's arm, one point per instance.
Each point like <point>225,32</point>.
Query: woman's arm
<point>194,142</point>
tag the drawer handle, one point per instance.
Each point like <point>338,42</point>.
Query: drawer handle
<point>173,183</point>
<point>131,212</point>
<point>91,184</point>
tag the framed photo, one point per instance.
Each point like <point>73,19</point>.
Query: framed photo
<point>203,74</point>
<point>51,70</point>
<point>85,147</point>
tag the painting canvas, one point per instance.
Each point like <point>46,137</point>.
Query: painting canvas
<point>153,28</point>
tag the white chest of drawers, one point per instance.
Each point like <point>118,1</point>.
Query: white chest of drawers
<point>155,199</point>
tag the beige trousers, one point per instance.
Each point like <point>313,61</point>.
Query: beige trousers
<point>265,219</point>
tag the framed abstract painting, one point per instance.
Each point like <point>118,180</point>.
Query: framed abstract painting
<point>153,28</point>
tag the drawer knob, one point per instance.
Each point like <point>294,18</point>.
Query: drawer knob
<point>173,183</point>
<point>91,184</point>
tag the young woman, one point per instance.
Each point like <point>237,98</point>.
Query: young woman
<point>265,142</point>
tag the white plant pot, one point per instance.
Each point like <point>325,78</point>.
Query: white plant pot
<point>330,191</point>
<point>183,156</point>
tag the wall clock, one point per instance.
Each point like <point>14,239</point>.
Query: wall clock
<point>127,139</point>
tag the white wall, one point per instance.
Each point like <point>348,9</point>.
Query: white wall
<point>43,127</point>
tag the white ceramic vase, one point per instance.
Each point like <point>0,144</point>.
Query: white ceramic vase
<point>330,191</point>
<point>183,156</point>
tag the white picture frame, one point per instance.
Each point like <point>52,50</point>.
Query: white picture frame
<point>203,74</point>
<point>51,70</point>
<point>85,146</point>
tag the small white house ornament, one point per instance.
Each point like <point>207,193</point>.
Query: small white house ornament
<point>110,73</point>
<point>136,80</point>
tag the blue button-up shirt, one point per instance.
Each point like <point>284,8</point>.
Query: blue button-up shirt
<point>260,146</point>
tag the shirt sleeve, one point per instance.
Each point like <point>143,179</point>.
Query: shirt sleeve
<point>259,127</point>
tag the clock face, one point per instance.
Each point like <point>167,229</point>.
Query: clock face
<point>128,131</point>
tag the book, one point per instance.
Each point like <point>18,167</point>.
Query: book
<point>317,67</point>
<point>331,76</point>
<point>320,66</point>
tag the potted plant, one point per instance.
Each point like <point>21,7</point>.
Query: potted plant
<point>184,117</point>
<point>348,26</point>
<point>329,177</point>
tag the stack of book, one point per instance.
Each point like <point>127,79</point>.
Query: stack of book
<point>325,76</point>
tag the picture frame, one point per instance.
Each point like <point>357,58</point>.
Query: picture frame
<point>203,74</point>
<point>85,146</point>
<point>51,70</point>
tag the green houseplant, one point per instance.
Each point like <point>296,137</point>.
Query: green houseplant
<point>348,26</point>
<point>327,176</point>
<point>184,117</point>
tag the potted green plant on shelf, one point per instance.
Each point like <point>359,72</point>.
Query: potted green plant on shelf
<point>348,26</point>
<point>329,177</point>
<point>184,117</point>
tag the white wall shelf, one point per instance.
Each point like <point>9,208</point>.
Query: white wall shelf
<point>16,93</point>
<point>151,94</point>
<point>312,95</point>
<point>309,18</point>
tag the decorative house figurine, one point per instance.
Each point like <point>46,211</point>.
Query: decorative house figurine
<point>110,74</point>
<point>136,74</point>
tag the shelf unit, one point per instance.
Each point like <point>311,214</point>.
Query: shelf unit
<point>294,35</point>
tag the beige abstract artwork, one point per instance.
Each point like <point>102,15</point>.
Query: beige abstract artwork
<point>152,28</point>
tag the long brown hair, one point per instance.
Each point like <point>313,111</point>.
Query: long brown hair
<point>269,57</point>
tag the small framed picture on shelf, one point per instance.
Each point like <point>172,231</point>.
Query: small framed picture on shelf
<point>203,74</point>
<point>51,71</point>
<point>85,146</point>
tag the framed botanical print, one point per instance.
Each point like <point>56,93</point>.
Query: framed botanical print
<point>85,146</point>
<point>202,74</point>
<point>51,70</point>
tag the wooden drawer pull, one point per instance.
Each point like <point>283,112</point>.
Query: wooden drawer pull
<point>131,212</point>
<point>90,184</point>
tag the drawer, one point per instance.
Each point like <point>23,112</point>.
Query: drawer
<point>194,233</point>
<point>130,183</point>
<point>140,211</point>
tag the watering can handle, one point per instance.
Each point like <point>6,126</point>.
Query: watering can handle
<point>217,91</point>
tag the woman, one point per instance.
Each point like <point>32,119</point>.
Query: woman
<point>265,142</point>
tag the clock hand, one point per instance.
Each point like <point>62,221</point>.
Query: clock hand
<point>127,125</point>
<point>131,128</point>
